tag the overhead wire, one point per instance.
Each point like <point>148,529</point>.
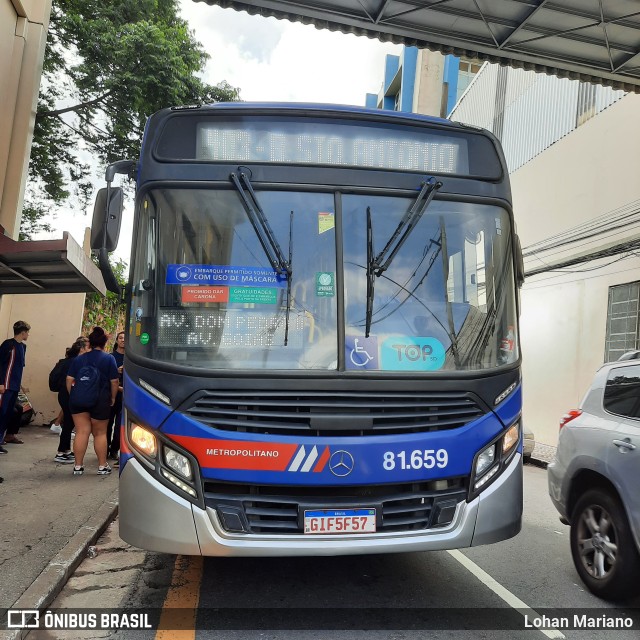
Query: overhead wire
<point>610,225</point>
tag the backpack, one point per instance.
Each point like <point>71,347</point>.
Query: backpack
<point>58,375</point>
<point>88,384</point>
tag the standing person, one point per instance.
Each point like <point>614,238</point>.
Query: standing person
<point>92,383</point>
<point>64,454</point>
<point>113,431</point>
<point>12,360</point>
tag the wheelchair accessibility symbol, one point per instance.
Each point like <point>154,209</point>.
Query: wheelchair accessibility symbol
<point>361,353</point>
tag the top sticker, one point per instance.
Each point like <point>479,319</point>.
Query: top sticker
<point>212,274</point>
<point>412,353</point>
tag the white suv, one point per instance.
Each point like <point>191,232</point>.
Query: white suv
<point>594,481</point>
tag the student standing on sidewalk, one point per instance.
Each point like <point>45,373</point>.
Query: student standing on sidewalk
<point>12,360</point>
<point>92,384</point>
<point>64,454</point>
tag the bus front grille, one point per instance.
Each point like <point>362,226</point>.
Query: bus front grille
<point>333,414</point>
<point>280,510</point>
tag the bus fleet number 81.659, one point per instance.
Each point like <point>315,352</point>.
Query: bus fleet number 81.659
<point>416,459</point>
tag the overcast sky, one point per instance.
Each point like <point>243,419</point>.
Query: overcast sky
<point>277,60</point>
<point>268,60</point>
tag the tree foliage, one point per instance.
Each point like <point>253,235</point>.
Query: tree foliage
<point>107,311</point>
<point>108,66</point>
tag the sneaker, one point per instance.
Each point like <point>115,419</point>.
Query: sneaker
<point>78,471</point>
<point>55,428</point>
<point>113,456</point>
<point>3,450</point>
<point>116,463</point>
<point>104,471</point>
<point>11,439</point>
<point>65,458</point>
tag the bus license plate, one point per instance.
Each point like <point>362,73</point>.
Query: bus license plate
<point>340,521</point>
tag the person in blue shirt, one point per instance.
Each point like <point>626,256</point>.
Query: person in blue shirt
<point>12,360</point>
<point>64,454</point>
<point>113,431</point>
<point>93,419</point>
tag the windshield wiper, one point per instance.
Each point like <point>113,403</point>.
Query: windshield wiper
<point>259,221</point>
<point>408,223</point>
<point>265,235</point>
<point>371,277</point>
<point>289,278</point>
<point>377,265</point>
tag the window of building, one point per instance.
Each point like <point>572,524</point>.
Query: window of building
<point>466,72</point>
<point>469,66</point>
<point>622,320</point>
<point>622,392</point>
<point>396,104</point>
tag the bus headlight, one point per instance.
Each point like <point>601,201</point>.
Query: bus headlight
<point>178,463</point>
<point>485,460</point>
<point>144,440</point>
<point>494,458</point>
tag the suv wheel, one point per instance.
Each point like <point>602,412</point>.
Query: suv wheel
<point>602,546</point>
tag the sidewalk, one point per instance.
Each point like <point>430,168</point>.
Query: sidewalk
<point>48,517</point>
<point>543,454</point>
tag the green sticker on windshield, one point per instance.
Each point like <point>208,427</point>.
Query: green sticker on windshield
<point>325,284</point>
<point>255,295</point>
<point>144,338</point>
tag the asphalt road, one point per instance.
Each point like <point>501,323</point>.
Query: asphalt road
<point>475,593</point>
<point>483,592</point>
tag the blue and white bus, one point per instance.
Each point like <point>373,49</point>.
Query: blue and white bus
<point>322,344</point>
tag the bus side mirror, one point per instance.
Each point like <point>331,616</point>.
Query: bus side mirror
<point>113,215</point>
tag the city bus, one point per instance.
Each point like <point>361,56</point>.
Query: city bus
<point>322,334</point>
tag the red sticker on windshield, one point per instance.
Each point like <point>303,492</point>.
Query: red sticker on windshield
<point>205,294</point>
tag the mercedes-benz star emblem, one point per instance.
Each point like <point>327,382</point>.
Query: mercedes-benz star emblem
<point>341,463</point>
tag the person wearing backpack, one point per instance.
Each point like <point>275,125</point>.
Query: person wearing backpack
<point>92,383</point>
<point>58,383</point>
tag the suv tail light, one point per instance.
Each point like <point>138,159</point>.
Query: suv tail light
<point>568,417</point>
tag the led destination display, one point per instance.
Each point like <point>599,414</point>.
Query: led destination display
<point>227,328</point>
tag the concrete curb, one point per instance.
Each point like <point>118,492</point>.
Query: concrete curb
<point>44,589</point>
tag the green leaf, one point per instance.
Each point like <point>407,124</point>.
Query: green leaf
<point>108,66</point>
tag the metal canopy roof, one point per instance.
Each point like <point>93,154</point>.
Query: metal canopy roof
<point>591,40</point>
<point>47,266</point>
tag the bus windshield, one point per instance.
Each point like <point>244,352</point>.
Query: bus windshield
<point>206,295</point>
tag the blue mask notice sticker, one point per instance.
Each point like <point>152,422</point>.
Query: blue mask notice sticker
<point>404,353</point>
<point>211,274</point>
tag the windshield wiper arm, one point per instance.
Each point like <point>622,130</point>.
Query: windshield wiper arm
<point>377,265</point>
<point>371,277</point>
<point>260,224</point>
<point>408,223</point>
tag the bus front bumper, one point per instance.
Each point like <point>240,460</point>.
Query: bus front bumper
<point>153,517</point>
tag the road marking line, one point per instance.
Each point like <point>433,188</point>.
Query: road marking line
<point>500,591</point>
<point>180,606</point>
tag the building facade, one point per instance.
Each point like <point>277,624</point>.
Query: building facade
<point>423,81</point>
<point>572,152</point>
<point>23,35</point>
